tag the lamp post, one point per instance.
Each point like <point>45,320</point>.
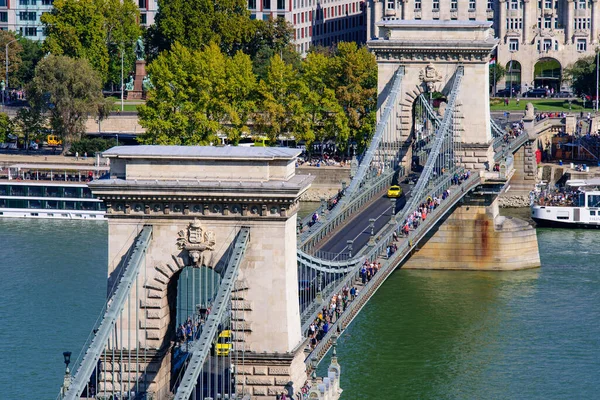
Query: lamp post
<point>122,54</point>
<point>67,380</point>
<point>597,73</point>
<point>6,63</point>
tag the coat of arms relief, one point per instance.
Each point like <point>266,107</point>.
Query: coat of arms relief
<point>199,244</point>
<point>430,77</point>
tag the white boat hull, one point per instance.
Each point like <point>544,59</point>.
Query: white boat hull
<point>51,214</point>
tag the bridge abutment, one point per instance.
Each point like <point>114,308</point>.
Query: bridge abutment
<point>475,237</point>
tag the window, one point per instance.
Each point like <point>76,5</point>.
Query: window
<point>252,4</point>
<point>27,16</point>
<point>581,45</point>
<point>514,4</point>
<point>514,23</point>
<point>266,6</point>
<point>143,19</point>
<point>581,23</point>
<point>2,3</point>
<point>592,212</point>
<point>547,44</point>
<point>490,5</point>
<point>47,2</point>
<point>142,3</point>
<point>580,4</point>
<point>513,44</point>
<point>472,4</point>
<point>3,16</point>
<point>281,4</point>
<point>417,4</point>
<point>436,5</point>
<point>30,31</point>
<point>391,4</point>
<point>548,4</point>
<point>547,22</point>
<point>454,5</point>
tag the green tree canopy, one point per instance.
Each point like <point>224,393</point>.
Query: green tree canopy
<point>89,29</point>
<point>14,55</point>
<point>6,126</point>
<point>68,90</point>
<point>496,73</point>
<point>31,54</point>
<point>197,96</point>
<point>196,23</point>
<point>582,74</point>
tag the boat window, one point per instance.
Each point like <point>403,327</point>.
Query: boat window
<point>17,191</point>
<point>52,204</point>
<point>592,212</point>
<point>87,205</point>
<point>593,200</point>
<point>35,191</point>
<point>53,191</point>
<point>69,205</point>
<point>2,203</point>
<point>3,190</point>
<point>86,193</point>
<point>35,204</point>
<point>70,192</point>
<point>579,200</point>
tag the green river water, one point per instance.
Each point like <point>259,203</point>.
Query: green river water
<point>425,334</point>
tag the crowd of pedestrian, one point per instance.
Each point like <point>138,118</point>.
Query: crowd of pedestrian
<point>549,197</point>
<point>190,329</point>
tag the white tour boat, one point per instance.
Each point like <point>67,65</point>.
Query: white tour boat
<point>581,210</point>
<point>50,191</point>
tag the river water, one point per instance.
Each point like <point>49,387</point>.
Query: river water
<point>424,335</point>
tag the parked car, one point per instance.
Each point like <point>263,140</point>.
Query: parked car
<point>503,93</point>
<point>563,94</point>
<point>535,93</point>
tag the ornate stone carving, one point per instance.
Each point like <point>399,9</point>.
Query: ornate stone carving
<point>430,77</point>
<point>199,244</point>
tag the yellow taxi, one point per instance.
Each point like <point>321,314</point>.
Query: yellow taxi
<point>224,343</point>
<point>394,191</point>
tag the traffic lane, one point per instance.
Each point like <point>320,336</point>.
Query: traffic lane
<point>358,229</point>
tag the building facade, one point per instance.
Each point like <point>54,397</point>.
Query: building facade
<point>23,16</point>
<point>538,38</point>
<point>316,22</point>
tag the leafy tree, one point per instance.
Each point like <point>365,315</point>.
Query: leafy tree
<point>197,95</point>
<point>30,122</point>
<point>6,127</point>
<point>355,85</point>
<point>326,116</point>
<point>281,110</point>
<point>14,54</point>
<point>31,54</point>
<point>96,30</point>
<point>273,36</point>
<point>195,23</point>
<point>497,72</point>
<point>68,90</point>
<point>582,74</point>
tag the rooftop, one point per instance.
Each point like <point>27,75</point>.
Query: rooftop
<point>202,152</point>
<point>419,23</point>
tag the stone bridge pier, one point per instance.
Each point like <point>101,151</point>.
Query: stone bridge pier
<point>209,192</point>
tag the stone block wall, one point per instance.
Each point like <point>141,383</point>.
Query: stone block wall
<point>474,237</point>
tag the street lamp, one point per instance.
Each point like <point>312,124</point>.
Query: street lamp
<point>6,61</point>
<point>67,380</point>
<point>122,53</point>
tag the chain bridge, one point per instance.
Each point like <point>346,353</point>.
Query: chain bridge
<point>215,285</point>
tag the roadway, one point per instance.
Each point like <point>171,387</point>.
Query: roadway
<point>358,228</point>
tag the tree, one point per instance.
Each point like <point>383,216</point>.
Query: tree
<point>96,30</point>
<point>497,72</point>
<point>91,146</point>
<point>327,118</point>
<point>14,54</point>
<point>31,54</point>
<point>30,122</point>
<point>355,84</point>
<point>196,23</point>
<point>68,90</point>
<point>197,96</point>
<point>273,36</point>
<point>6,127</point>
<point>582,74</point>
<point>281,111</point>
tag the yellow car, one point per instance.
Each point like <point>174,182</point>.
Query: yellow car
<point>394,191</point>
<point>224,343</point>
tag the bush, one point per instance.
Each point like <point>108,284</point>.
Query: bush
<point>91,146</point>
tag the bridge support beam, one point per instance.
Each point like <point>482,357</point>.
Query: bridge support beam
<point>475,237</point>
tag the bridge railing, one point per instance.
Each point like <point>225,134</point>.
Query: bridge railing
<point>114,308</point>
<point>388,265</point>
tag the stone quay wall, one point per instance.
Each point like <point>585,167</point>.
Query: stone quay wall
<point>328,181</point>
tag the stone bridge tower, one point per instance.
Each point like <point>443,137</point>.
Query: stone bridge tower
<point>218,190</point>
<point>430,52</point>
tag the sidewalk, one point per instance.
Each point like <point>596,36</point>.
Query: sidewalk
<point>10,159</point>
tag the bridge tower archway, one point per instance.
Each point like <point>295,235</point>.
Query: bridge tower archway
<point>430,52</point>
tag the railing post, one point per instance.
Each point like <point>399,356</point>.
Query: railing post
<point>393,206</point>
<point>323,208</point>
<point>350,242</point>
<point>372,226</point>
